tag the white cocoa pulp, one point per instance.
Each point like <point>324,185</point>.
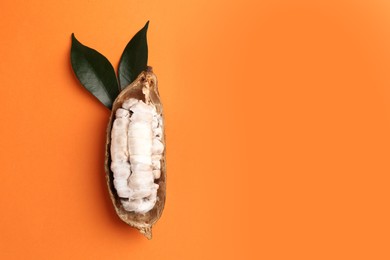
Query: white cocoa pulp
<point>136,153</point>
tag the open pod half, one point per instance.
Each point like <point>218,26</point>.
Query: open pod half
<point>143,222</point>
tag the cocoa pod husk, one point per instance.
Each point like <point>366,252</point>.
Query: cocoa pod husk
<point>142,222</point>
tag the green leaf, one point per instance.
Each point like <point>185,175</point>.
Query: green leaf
<point>134,59</point>
<point>94,72</point>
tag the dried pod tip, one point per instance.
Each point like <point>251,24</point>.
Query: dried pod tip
<point>147,232</point>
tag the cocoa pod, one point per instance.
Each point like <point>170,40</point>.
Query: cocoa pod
<point>143,222</point>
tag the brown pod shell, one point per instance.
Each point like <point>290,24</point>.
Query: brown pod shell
<point>142,222</point>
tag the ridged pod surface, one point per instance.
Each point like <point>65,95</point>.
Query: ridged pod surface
<point>142,222</point>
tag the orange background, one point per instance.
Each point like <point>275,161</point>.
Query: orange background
<point>277,122</point>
